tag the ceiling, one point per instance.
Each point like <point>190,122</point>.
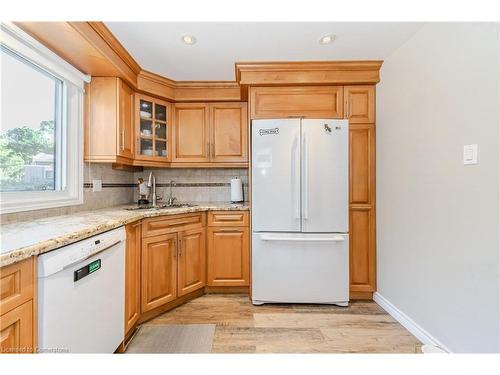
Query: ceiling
<point>157,46</point>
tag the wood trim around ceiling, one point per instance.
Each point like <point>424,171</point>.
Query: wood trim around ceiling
<point>307,72</point>
<point>93,49</point>
<point>115,44</point>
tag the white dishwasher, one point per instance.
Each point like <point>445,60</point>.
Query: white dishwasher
<point>81,296</point>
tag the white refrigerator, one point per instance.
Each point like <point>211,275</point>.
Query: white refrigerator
<point>300,211</point>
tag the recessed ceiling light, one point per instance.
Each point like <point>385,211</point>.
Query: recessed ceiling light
<point>189,39</point>
<point>327,39</point>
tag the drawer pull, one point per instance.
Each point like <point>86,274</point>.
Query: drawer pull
<point>171,224</point>
<point>229,218</point>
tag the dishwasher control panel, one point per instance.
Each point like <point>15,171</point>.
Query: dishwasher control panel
<point>71,255</point>
<point>87,270</point>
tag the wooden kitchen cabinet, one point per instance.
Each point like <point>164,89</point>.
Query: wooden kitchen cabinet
<point>159,271</point>
<point>191,261</point>
<point>17,307</point>
<point>109,130</point>
<point>228,249</point>
<point>361,163</point>
<point>153,120</point>
<point>360,104</point>
<point>17,330</point>
<point>173,258</point>
<point>362,251</point>
<point>297,101</point>
<point>210,133</point>
<point>191,133</point>
<point>362,247</point>
<point>228,256</point>
<point>132,276</point>
<point>228,132</point>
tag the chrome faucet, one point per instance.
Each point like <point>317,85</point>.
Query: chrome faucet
<point>152,186</point>
<point>171,198</point>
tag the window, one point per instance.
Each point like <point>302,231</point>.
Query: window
<point>41,159</point>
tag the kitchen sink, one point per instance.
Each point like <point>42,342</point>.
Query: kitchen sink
<point>160,206</point>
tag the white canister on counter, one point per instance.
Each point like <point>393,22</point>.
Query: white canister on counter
<point>236,190</point>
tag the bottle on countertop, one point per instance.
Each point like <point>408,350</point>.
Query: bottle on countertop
<point>143,191</point>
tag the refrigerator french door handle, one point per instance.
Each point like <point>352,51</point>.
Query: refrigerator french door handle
<point>294,176</point>
<point>299,239</point>
<point>305,178</point>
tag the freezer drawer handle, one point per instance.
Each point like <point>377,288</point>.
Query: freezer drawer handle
<point>312,239</point>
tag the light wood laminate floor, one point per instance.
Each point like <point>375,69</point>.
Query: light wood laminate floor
<point>363,327</point>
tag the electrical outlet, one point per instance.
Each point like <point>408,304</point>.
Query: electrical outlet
<point>96,185</point>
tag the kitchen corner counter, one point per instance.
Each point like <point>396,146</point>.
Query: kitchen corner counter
<point>22,240</point>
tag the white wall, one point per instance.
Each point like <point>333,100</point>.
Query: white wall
<point>437,219</point>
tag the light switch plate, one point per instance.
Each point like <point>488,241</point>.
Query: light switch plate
<point>470,154</point>
<point>96,185</point>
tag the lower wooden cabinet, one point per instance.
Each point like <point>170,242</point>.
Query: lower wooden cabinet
<point>17,309</point>
<point>173,263</point>
<point>191,273</point>
<point>159,271</point>
<point>132,276</point>
<point>228,256</point>
<point>362,250</point>
<point>17,330</point>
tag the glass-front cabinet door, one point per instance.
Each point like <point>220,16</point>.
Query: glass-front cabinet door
<point>153,120</point>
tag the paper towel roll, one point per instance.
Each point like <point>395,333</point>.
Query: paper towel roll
<point>236,190</point>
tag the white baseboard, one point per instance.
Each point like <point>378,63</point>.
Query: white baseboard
<point>416,330</point>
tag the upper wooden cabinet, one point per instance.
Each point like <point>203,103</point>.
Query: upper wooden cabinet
<point>109,132</point>
<point>360,104</point>
<point>361,163</point>
<point>153,120</point>
<point>296,101</point>
<point>228,132</point>
<point>191,133</point>
<point>210,133</point>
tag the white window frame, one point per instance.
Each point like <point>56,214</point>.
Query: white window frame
<point>71,193</point>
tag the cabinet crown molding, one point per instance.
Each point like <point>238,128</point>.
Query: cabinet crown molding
<point>308,72</point>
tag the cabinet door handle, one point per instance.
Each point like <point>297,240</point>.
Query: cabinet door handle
<point>180,247</point>
<point>176,249</point>
<point>346,106</point>
<point>123,139</point>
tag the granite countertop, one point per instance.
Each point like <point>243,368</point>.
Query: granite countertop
<point>22,240</point>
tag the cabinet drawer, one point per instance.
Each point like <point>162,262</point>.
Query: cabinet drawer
<point>228,218</point>
<point>171,224</point>
<point>16,284</point>
<point>17,330</point>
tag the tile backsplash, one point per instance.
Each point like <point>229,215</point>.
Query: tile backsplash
<point>195,185</point>
<point>119,187</point>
